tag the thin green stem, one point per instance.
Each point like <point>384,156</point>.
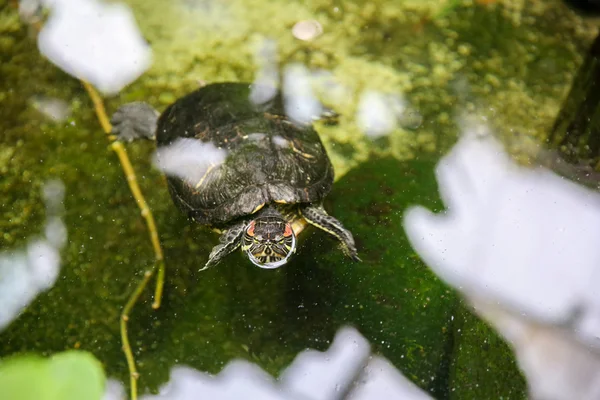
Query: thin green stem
<point>160,282</point>
<point>133,374</point>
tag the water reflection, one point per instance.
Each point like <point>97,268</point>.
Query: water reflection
<point>27,272</point>
<point>301,104</point>
<point>188,159</point>
<point>375,114</point>
<point>55,109</point>
<point>266,81</point>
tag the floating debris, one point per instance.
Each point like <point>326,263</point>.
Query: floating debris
<point>410,118</point>
<point>307,30</point>
<point>56,109</point>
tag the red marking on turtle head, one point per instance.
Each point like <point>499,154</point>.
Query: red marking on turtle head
<point>250,230</point>
<point>288,230</point>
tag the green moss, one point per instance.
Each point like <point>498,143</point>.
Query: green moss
<point>483,366</point>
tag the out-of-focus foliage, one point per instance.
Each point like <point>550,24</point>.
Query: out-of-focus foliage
<point>71,375</point>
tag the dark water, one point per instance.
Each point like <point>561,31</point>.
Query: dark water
<point>234,310</point>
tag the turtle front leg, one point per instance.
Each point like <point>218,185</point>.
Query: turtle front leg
<point>230,240</point>
<point>135,120</point>
<point>318,217</point>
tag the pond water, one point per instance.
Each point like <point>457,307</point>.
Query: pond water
<point>510,62</point>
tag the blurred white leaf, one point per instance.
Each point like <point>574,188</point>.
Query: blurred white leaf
<point>345,370</point>
<point>95,41</point>
<point>522,245</point>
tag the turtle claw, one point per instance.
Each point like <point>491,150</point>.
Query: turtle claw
<point>207,266</point>
<point>229,241</point>
<point>215,256</point>
<point>318,217</point>
<point>218,252</point>
<point>351,253</point>
<point>135,120</point>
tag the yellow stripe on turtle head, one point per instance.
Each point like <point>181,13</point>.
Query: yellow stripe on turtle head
<point>246,247</point>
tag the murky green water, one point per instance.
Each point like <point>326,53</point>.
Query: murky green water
<point>268,316</point>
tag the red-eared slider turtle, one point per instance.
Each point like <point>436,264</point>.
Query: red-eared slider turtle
<point>272,176</point>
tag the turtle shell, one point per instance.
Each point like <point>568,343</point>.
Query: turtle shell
<point>268,159</point>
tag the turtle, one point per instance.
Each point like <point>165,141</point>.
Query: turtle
<point>268,183</point>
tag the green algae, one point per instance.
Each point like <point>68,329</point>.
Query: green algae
<point>485,371</point>
<point>511,61</point>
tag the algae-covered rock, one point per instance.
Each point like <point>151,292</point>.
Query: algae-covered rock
<point>577,127</point>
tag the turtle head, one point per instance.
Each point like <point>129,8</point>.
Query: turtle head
<point>269,241</point>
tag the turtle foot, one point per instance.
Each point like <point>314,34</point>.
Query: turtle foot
<point>135,120</point>
<point>318,217</point>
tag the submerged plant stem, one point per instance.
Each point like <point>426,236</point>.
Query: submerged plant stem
<point>141,202</point>
<point>160,283</point>
<point>98,107</point>
<point>134,187</point>
<point>133,374</point>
